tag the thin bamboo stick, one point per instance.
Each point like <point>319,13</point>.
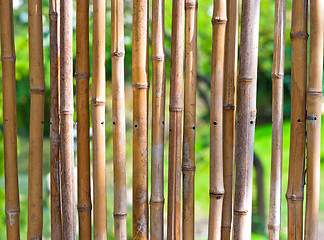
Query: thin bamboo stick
<point>216,120</point>
<point>37,92</point>
<point>83,120</point>
<point>277,119</point>
<point>158,118</point>
<point>119,129</point>
<point>296,177</point>
<point>246,117</point>
<point>8,58</point>
<point>66,115</point>
<point>314,106</point>
<point>229,114</point>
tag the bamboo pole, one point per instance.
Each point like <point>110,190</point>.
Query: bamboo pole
<point>83,120</point>
<point>295,192</point>
<point>277,119</point>
<point>37,92</point>
<point>66,115</point>
<point>8,58</point>
<point>216,191</point>
<point>118,111</point>
<point>158,118</point>
<point>314,105</point>
<point>246,117</point>
<point>229,114</point>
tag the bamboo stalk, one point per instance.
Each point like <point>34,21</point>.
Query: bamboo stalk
<point>119,129</point>
<point>8,58</point>
<point>83,120</point>
<point>98,121</point>
<point>229,114</point>
<point>295,192</point>
<point>216,120</point>
<point>66,115</point>
<point>314,105</point>
<point>37,92</point>
<point>277,119</point>
<point>158,118</point>
<point>246,117</point>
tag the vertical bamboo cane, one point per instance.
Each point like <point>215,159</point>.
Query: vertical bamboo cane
<point>37,92</point>
<point>66,110</point>
<point>314,103</point>
<point>295,192</point>
<point>8,58</point>
<point>83,121</point>
<point>119,131</point>
<point>277,119</point>
<point>229,114</point>
<point>246,117</point>
<point>216,120</point>
<point>158,118</point>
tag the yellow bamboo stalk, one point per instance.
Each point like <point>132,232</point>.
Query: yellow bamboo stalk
<point>277,119</point>
<point>295,192</point>
<point>118,112</point>
<point>158,118</point>
<point>314,105</point>
<point>246,117</point>
<point>8,58</point>
<point>37,92</point>
<point>83,120</point>
<point>229,114</point>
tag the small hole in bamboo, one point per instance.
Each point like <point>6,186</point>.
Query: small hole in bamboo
<point>251,122</point>
<point>163,122</point>
<point>315,118</point>
<point>135,125</point>
<point>193,128</point>
<point>298,120</point>
<point>102,122</point>
<point>114,123</point>
<point>215,123</point>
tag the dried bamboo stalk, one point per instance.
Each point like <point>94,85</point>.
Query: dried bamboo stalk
<point>216,191</point>
<point>118,112</point>
<point>98,121</point>
<point>158,118</point>
<point>66,117</point>
<point>37,92</point>
<point>83,120</point>
<point>314,107</point>
<point>229,114</point>
<point>277,119</point>
<point>8,59</point>
<point>246,117</point>
<point>296,178</point>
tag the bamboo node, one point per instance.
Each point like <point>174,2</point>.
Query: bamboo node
<point>53,14</point>
<point>227,228</point>
<point>174,108</point>
<point>241,212</point>
<point>218,20</point>
<point>314,93</point>
<point>188,169</point>
<point>12,211</point>
<point>8,58</point>
<point>294,197</point>
<point>312,118</point>
<point>145,85</point>
<point>117,54</point>
<point>243,79</point>
<point>82,76</point>
<point>37,91</point>
<point>229,107</point>
<point>299,35</point>
<point>120,215</point>
<point>274,227</point>
<point>277,76</point>
<point>67,111</point>
<point>217,195</point>
<point>97,102</point>
<point>191,5</point>
<point>84,208</point>
<point>161,202</point>
<point>158,58</point>
<point>55,138</point>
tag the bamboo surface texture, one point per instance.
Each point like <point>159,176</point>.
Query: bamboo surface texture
<point>98,121</point>
<point>66,117</point>
<point>83,119</point>
<point>246,117</point>
<point>8,59</point>
<point>277,119</point>
<point>229,114</point>
<point>189,124</point>
<point>216,189</point>
<point>175,125</point>
<point>314,107</point>
<point>37,93</point>
<point>158,121</point>
<point>296,177</point>
<point>118,112</point>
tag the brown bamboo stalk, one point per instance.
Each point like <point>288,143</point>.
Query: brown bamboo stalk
<point>8,58</point>
<point>66,115</point>
<point>277,119</point>
<point>296,177</point>
<point>37,92</point>
<point>314,107</point>
<point>216,191</point>
<point>229,114</point>
<point>158,118</point>
<point>83,120</point>
<point>246,117</point>
<point>118,112</point>
<point>56,211</point>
